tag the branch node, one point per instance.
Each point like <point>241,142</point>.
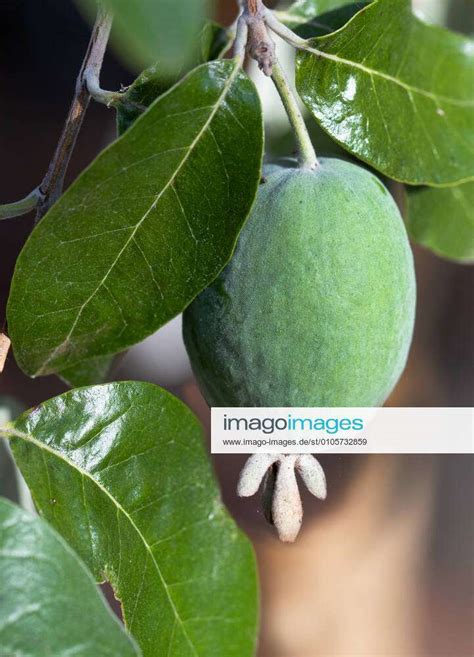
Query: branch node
<point>252,34</point>
<point>261,46</point>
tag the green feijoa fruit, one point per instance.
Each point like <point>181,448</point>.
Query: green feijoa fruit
<point>317,306</point>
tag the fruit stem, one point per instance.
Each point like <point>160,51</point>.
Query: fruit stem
<point>306,154</point>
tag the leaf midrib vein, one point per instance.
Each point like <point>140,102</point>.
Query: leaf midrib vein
<point>386,76</point>
<point>11,432</point>
<point>131,237</point>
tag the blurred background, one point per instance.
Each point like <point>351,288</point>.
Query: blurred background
<point>385,566</point>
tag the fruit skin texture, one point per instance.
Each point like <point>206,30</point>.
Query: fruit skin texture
<point>317,306</point>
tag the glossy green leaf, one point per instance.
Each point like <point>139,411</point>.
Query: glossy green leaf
<point>49,602</point>
<point>395,92</point>
<point>303,11</point>
<point>144,229</point>
<point>155,80</point>
<point>443,220</point>
<point>121,471</point>
<point>280,145</point>
<point>330,21</point>
<point>149,30</point>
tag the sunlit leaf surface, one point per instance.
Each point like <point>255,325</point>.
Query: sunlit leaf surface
<point>395,92</point>
<point>121,472</point>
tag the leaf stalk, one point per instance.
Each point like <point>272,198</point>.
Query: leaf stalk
<point>284,32</point>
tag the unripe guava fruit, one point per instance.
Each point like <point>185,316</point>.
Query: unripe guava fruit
<point>317,305</point>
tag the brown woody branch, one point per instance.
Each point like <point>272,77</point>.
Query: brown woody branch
<point>52,186</point>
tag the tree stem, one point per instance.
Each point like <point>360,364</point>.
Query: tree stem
<point>52,186</point>
<point>306,154</point>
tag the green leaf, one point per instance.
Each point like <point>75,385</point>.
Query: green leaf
<point>395,92</point>
<point>151,84</point>
<point>280,145</point>
<point>443,220</point>
<point>214,42</point>
<point>9,408</point>
<point>148,86</point>
<point>8,478</point>
<point>329,22</point>
<point>149,30</point>
<point>121,471</point>
<point>88,372</point>
<point>303,11</point>
<point>49,602</point>
<point>154,81</point>
<point>144,229</point>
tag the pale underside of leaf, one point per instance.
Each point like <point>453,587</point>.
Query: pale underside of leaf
<point>442,220</point>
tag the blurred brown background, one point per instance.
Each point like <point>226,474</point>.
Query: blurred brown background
<point>385,566</point>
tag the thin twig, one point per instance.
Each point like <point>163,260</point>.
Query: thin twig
<point>91,76</point>
<point>52,186</point>
<point>241,38</point>
<point>21,207</point>
<point>108,98</point>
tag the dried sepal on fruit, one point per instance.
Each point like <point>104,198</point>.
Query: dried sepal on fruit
<point>281,497</point>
